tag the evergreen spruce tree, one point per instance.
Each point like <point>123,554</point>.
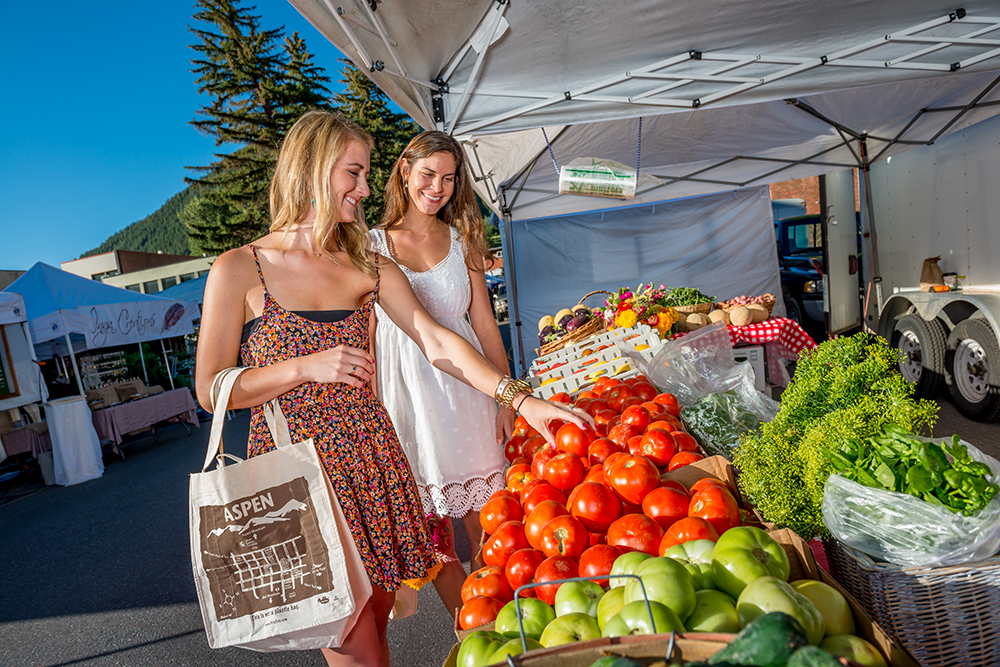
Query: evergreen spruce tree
<point>364,103</point>
<point>260,83</point>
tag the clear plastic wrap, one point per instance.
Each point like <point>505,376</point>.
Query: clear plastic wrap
<point>716,394</point>
<point>908,531</point>
<point>688,367</point>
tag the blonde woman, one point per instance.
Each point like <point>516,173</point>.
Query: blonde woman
<point>296,306</point>
<point>452,435</point>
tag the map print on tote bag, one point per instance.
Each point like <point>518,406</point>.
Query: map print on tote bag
<point>264,552</point>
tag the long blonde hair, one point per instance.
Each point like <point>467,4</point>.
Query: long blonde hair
<point>302,173</point>
<point>461,211</point>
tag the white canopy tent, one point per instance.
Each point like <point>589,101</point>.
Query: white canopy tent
<point>729,96</point>
<point>20,379</point>
<point>63,307</point>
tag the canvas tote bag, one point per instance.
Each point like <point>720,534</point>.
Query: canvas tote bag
<point>275,564</point>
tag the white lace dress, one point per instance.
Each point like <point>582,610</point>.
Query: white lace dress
<point>446,428</point>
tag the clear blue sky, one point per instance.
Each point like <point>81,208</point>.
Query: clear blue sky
<point>95,100</point>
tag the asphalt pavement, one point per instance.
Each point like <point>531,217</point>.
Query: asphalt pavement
<point>99,573</point>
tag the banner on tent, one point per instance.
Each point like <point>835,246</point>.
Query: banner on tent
<point>122,323</point>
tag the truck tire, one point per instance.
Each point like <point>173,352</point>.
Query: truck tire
<point>922,343</point>
<point>972,362</point>
<point>794,311</point>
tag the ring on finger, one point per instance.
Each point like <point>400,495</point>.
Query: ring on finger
<point>354,368</point>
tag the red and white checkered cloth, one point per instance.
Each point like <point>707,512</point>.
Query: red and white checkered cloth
<point>781,337</point>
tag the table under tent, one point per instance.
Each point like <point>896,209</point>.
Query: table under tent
<point>695,103</point>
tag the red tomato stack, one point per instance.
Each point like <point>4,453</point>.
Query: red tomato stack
<point>572,509</point>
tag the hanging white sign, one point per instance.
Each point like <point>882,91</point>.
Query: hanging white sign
<point>122,323</point>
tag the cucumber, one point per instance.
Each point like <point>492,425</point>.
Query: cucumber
<point>615,661</point>
<point>812,656</point>
<point>769,641</point>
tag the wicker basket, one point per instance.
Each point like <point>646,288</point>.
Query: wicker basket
<point>941,615</point>
<point>703,308</point>
<point>768,303</point>
<point>593,326</point>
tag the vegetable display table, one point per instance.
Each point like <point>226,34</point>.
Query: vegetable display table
<point>781,337</point>
<point>114,422</point>
<point>27,439</point>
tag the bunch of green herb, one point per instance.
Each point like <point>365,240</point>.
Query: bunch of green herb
<point>898,461</point>
<point>717,420</point>
<point>846,390</point>
<point>686,296</point>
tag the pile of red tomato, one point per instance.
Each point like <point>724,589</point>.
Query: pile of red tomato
<point>571,510</point>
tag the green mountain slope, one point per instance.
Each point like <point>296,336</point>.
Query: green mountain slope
<point>159,231</point>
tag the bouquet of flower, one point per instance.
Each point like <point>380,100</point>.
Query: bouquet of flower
<point>646,304</point>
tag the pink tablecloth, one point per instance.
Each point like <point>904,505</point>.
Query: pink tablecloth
<point>114,422</point>
<point>26,439</point>
<point>781,337</point>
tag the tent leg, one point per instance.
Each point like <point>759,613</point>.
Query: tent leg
<point>76,369</point>
<point>166,360</point>
<point>142,360</point>
<point>514,317</point>
<point>43,389</point>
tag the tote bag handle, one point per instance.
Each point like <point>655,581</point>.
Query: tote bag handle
<point>222,387</point>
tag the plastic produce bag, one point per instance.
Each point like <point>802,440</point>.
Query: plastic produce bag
<point>717,419</point>
<point>906,530</point>
<point>716,394</point>
<point>691,366</point>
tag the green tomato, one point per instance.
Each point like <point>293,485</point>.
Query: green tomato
<point>854,648</point>
<point>666,581</point>
<point>578,596</point>
<point>477,647</point>
<point>626,564</point>
<point>569,629</point>
<point>513,647</point>
<point>837,616</point>
<point>744,554</point>
<point>634,619</point>
<point>610,605</point>
<point>535,615</point>
<point>768,594</point>
<point>714,611</point>
<point>697,558</point>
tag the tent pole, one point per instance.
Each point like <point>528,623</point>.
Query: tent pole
<point>166,361</point>
<point>43,389</point>
<point>76,369</point>
<point>142,360</point>
<point>511,278</point>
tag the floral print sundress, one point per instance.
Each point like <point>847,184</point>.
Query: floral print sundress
<point>354,437</point>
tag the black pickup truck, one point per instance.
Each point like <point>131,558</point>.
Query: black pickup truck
<point>800,256</point>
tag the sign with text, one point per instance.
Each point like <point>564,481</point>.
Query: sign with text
<point>122,323</point>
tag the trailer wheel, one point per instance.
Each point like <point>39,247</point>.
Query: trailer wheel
<point>922,344</point>
<point>973,366</point>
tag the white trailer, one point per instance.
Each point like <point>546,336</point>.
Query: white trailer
<point>941,199</point>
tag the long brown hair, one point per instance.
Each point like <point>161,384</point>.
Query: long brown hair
<point>461,210</point>
<point>306,160</point>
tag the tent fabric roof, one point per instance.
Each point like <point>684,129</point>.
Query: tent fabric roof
<point>191,290</point>
<point>11,308</point>
<point>566,62</point>
<point>746,94</point>
<point>51,297</point>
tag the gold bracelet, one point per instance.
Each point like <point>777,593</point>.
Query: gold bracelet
<point>501,386</point>
<point>512,389</point>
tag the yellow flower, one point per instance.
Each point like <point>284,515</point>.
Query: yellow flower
<point>626,319</point>
<point>666,319</point>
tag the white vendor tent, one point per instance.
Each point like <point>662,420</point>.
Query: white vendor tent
<point>86,314</point>
<point>20,379</point>
<point>699,98</point>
